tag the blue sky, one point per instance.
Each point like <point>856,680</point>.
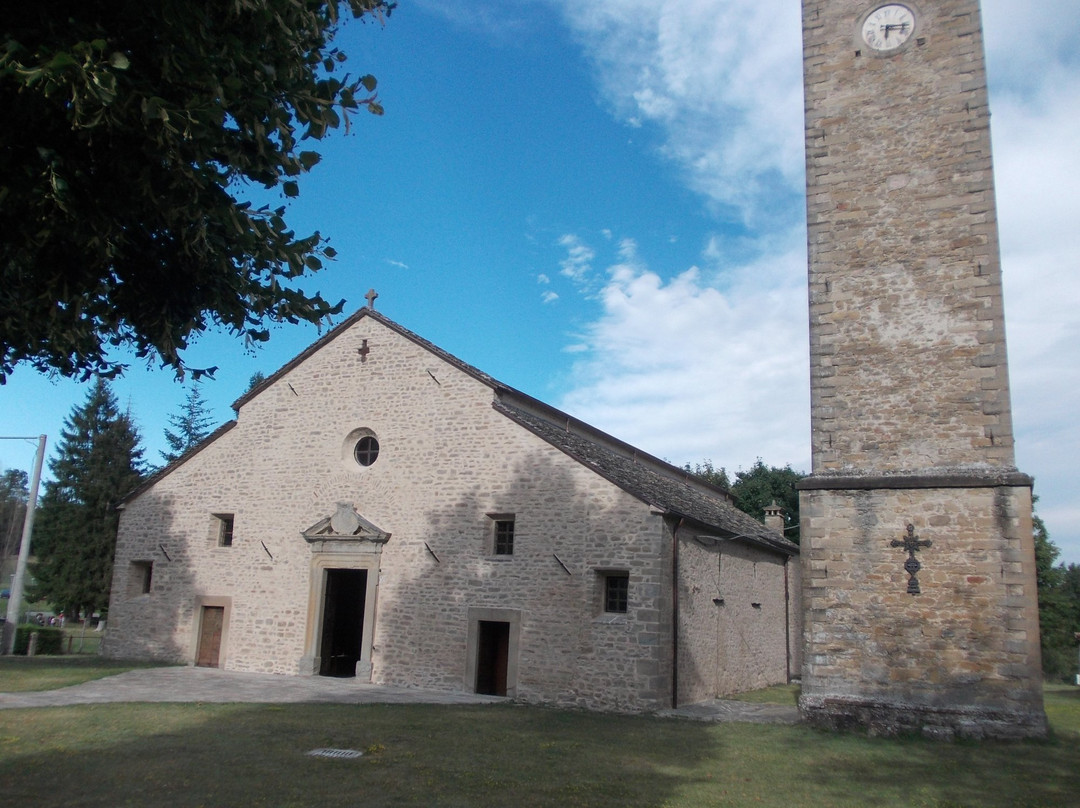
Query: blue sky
<point>600,203</point>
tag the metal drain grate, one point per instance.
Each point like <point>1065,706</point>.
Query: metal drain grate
<point>340,754</point>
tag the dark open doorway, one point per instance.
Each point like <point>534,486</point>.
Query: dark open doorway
<point>492,655</point>
<point>343,622</point>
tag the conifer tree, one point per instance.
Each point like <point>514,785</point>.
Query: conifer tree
<point>192,425</point>
<point>14,495</point>
<point>98,459</point>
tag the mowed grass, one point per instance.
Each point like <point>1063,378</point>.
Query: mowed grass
<point>20,673</point>
<point>504,755</point>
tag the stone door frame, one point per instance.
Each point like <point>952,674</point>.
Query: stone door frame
<point>358,555</point>
<point>476,616</point>
<point>201,603</point>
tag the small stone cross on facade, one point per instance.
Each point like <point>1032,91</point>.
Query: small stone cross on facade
<point>371,295</point>
<point>912,544</point>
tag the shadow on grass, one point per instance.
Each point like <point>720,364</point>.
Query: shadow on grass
<point>222,755</point>
<point>917,772</point>
<point>494,755</point>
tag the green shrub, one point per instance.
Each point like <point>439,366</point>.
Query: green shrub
<point>50,640</point>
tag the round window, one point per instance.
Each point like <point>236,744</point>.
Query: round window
<point>366,451</point>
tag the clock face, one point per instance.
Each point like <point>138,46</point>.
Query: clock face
<point>888,27</point>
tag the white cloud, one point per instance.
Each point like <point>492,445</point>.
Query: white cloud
<point>688,372</point>
<point>722,81</point>
<point>549,297</point>
<point>577,266</point>
<point>701,362</point>
<point>1037,155</point>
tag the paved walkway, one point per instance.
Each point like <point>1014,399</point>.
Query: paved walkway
<point>189,684</point>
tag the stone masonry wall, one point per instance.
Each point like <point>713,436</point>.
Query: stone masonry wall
<point>967,645</point>
<point>742,642</point>
<point>447,460</point>
<point>908,360</point>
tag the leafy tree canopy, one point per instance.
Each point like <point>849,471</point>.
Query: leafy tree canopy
<point>129,123</point>
<point>757,488</point>
<point>1059,607</point>
<point>98,459</point>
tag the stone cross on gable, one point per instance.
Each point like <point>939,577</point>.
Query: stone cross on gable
<point>912,544</point>
<point>371,295</point>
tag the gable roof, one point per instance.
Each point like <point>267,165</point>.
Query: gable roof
<point>672,490</point>
<point>655,482</point>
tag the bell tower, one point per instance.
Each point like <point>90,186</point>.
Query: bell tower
<point>917,550</point>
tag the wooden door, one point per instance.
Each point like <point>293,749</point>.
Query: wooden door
<point>213,619</point>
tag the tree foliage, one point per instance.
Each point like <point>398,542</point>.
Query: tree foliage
<point>257,378</point>
<point>98,459</point>
<point>130,125</point>
<point>189,427</point>
<point>14,495</point>
<point>1059,607</point>
<point>757,488</point>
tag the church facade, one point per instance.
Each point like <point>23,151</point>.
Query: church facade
<point>381,509</point>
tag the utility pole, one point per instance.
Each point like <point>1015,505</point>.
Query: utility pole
<point>15,603</point>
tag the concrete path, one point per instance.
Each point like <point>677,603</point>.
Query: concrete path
<point>189,684</point>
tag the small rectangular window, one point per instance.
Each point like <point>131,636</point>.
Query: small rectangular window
<point>225,529</point>
<point>140,578</point>
<point>504,537</point>
<point>616,592</point>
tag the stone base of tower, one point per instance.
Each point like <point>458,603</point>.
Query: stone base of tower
<point>889,718</point>
<point>932,628</point>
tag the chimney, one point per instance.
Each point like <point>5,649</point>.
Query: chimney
<point>774,517</point>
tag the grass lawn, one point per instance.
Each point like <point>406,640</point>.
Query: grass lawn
<point>19,673</point>
<point>504,755</point>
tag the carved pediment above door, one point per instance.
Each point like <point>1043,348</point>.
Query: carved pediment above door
<point>345,525</point>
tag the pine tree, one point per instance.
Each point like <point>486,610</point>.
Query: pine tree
<point>192,425</point>
<point>98,460</point>
<point>14,495</point>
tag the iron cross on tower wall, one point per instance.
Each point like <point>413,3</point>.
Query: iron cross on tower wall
<point>912,544</point>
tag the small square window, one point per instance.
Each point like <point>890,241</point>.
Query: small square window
<point>504,536</point>
<point>616,592</point>
<point>224,529</point>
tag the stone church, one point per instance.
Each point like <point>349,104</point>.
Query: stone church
<point>381,510</point>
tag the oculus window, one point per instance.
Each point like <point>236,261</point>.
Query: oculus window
<point>366,450</point>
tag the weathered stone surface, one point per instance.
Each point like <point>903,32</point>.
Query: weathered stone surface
<point>909,393</point>
<point>453,456</point>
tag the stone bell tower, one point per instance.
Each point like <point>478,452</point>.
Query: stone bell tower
<point>917,550</point>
